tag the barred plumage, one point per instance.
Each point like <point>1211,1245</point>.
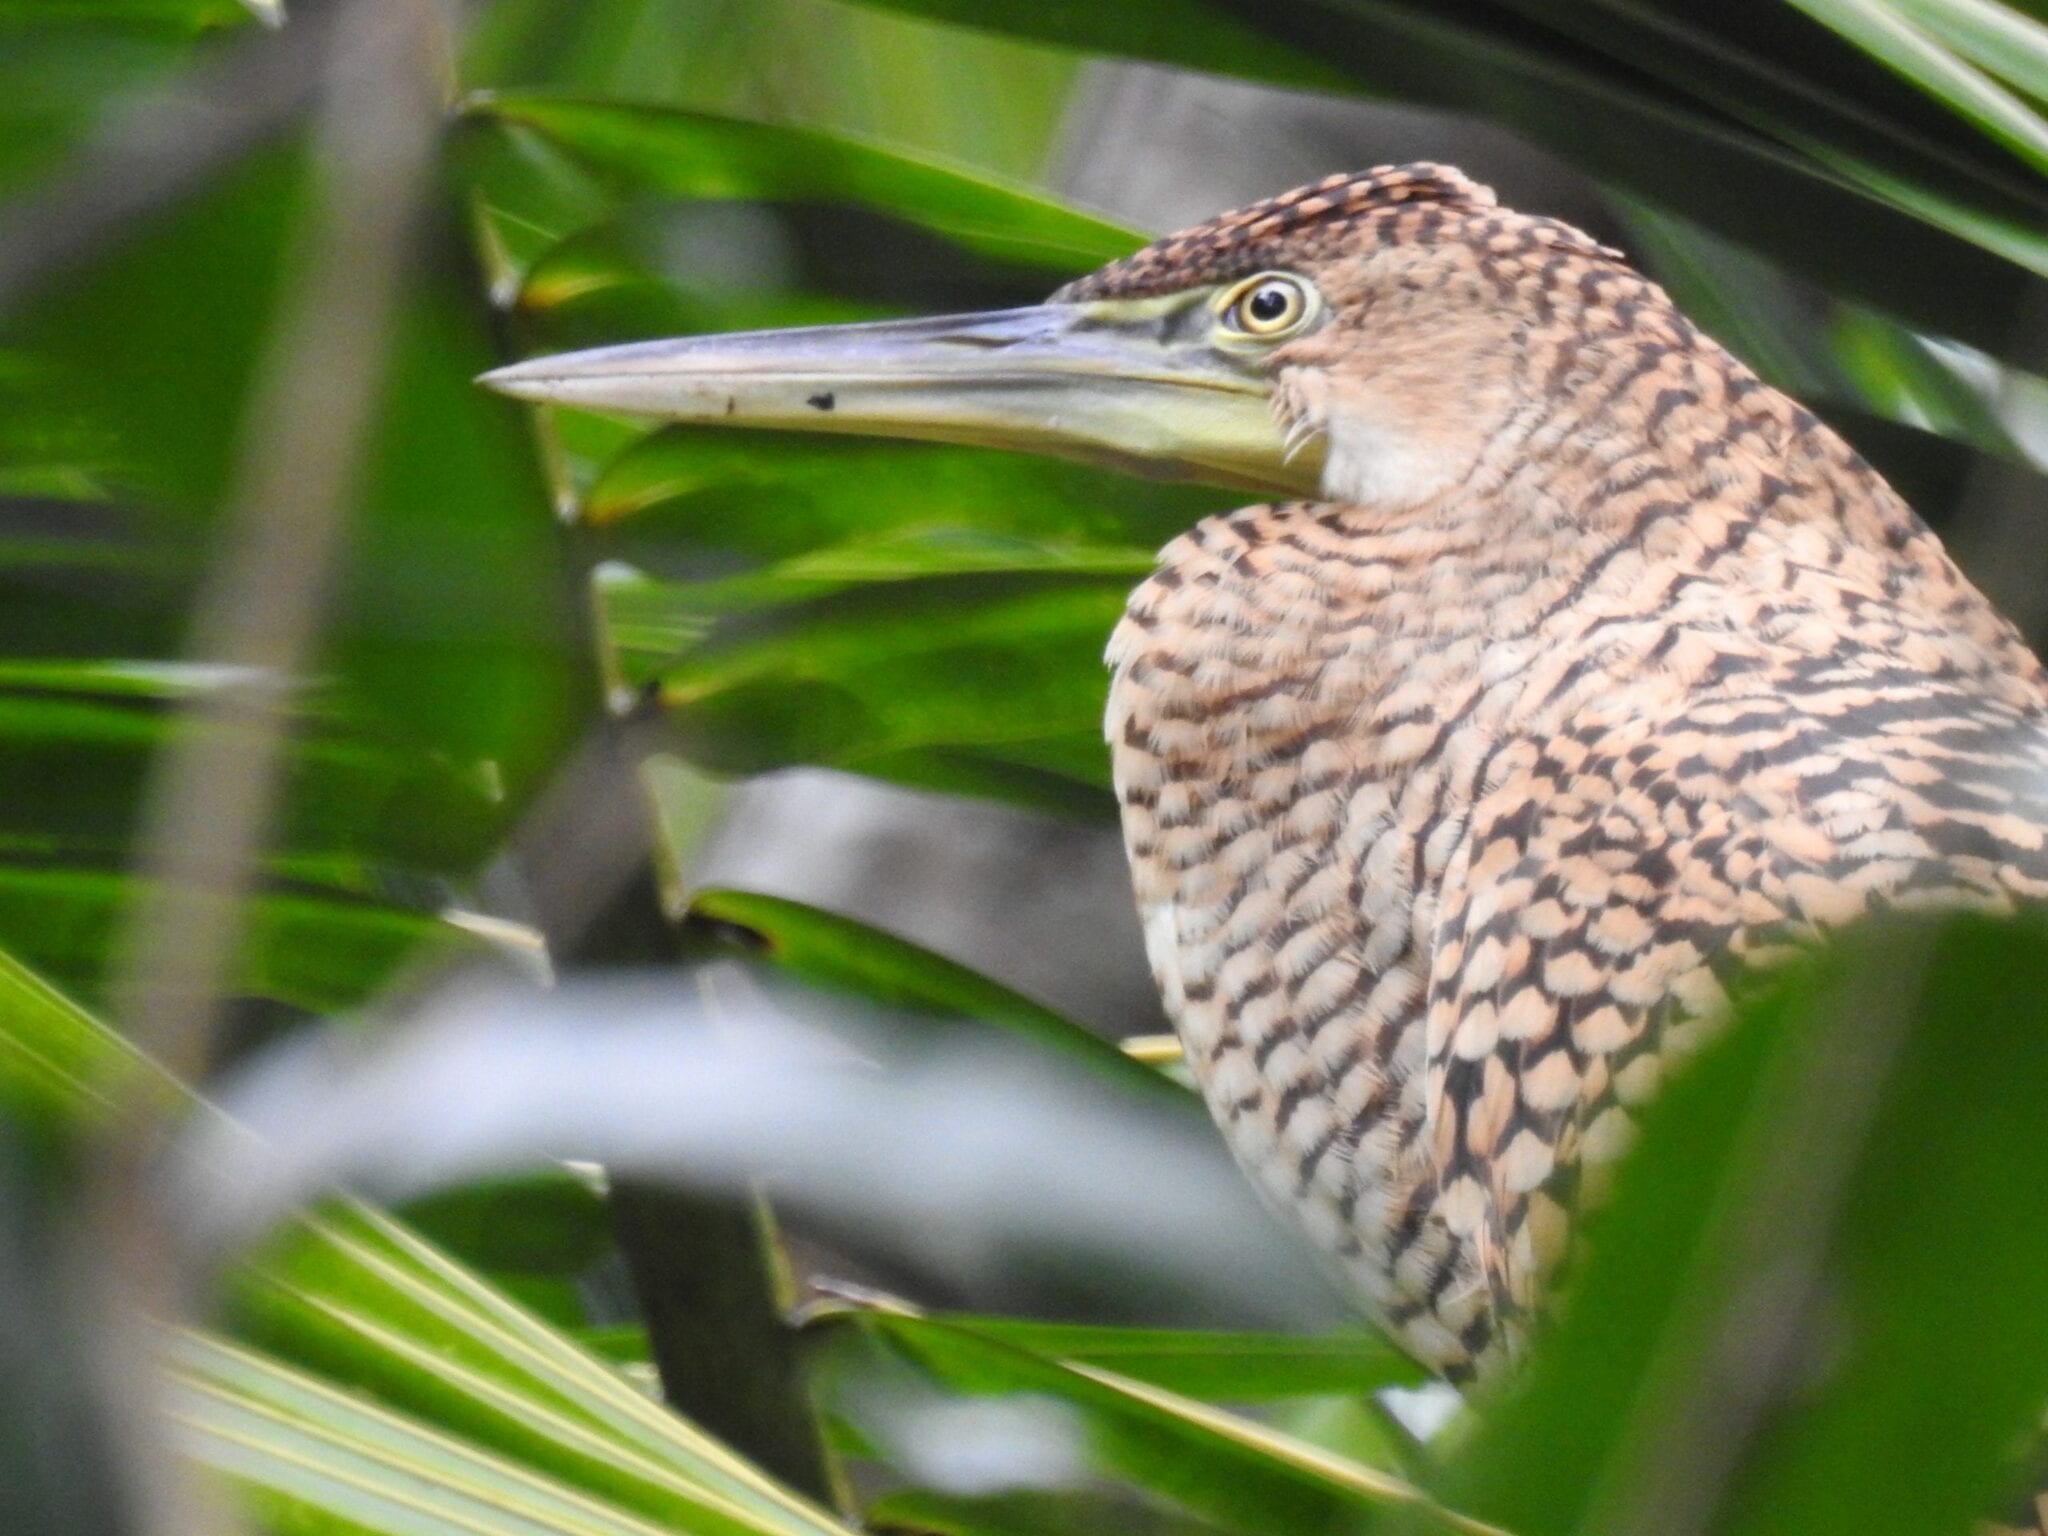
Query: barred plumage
<point>1592,667</point>
<point>1447,796</point>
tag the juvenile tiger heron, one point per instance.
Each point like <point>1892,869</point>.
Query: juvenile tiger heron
<point>1576,662</point>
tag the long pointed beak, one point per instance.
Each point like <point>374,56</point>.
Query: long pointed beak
<point>1078,381</point>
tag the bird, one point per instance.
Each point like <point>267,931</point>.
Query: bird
<point>1566,668</point>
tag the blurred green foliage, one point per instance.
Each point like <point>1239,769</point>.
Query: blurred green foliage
<point>1814,1304</point>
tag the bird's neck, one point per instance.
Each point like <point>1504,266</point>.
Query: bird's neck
<point>1651,461</point>
<point>1585,539</point>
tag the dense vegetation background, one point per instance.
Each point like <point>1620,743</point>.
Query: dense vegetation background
<point>382,804</point>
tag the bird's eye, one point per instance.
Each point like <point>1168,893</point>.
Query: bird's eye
<point>1268,306</point>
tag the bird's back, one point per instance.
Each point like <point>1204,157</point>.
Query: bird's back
<point>1445,820</point>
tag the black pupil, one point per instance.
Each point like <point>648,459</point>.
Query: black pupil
<point>1268,304</point>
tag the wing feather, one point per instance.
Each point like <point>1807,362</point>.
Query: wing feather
<point>1610,881</point>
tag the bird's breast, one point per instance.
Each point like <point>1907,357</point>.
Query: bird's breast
<point>1286,806</point>
<point>1315,718</point>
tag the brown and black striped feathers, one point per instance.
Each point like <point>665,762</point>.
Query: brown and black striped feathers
<point>1409,203</point>
<point>1602,666</point>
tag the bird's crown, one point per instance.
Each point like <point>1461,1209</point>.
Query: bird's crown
<point>1419,201</point>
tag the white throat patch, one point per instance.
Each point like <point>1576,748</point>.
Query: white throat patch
<point>1381,467</point>
<point>1370,461</point>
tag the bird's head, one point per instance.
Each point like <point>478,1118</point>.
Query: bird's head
<point>1363,338</point>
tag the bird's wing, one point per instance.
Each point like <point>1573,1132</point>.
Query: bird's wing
<point>1620,864</point>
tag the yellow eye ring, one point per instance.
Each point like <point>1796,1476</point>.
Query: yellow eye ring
<point>1268,305</point>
